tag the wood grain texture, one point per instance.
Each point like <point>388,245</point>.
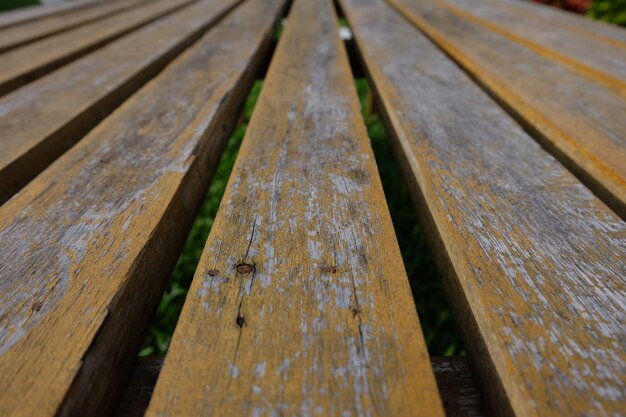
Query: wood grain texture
<point>27,14</point>
<point>45,118</point>
<point>588,55</point>
<point>15,36</point>
<point>300,304</point>
<point>87,247</point>
<point>25,64</point>
<point>534,263</point>
<point>576,118</point>
<point>604,31</point>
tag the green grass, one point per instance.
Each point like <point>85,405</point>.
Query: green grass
<point>15,4</point>
<point>436,319</point>
<point>611,11</point>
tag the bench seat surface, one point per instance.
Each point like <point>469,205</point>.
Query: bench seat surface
<point>301,279</point>
<point>576,117</point>
<point>72,100</point>
<point>14,36</point>
<point>534,262</point>
<point>22,65</point>
<point>87,247</point>
<point>506,119</point>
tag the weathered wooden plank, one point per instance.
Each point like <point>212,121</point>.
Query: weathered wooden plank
<point>22,65</point>
<point>87,247</point>
<point>15,36</point>
<point>576,118</point>
<point>606,32</point>
<point>588,55</point>
<point>45,118</point>
<point>534,263</point>
<point>300,304</point>
<point>27,14</point>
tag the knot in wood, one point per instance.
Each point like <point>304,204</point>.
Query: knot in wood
<point>329,269</point>
<point>244,268</point>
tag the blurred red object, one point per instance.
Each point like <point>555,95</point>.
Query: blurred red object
<point>577,6</point>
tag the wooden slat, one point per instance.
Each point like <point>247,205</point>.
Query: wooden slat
<point>45,118</point>
<point>576,118</point>
<point>15,36</point>
<point>588,55</point>
<point>300,304</point>
<point>22,65</point>
<point>534,263</point>
<point>606,32</point>
<point>27,14</point>
<point>87,247</point>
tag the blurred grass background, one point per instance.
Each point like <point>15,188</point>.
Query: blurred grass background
<point>14,4</point>
<point>610,11</point>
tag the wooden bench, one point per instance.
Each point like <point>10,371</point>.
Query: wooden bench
<point>114,116</point>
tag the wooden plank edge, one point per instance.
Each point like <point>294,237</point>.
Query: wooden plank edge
<point>96,390</point>
<point>597,29</point>
<point>605,192</point>
<point>124,7</point>
<point>597,187</point>
<point>95,385</point>
<point>27,166</point>
<point>26,77</point>
<point>489,382</point>
<point>170,397</point>
<point>487,379</point>
<point>545,51</point>
<point>15,17</point>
